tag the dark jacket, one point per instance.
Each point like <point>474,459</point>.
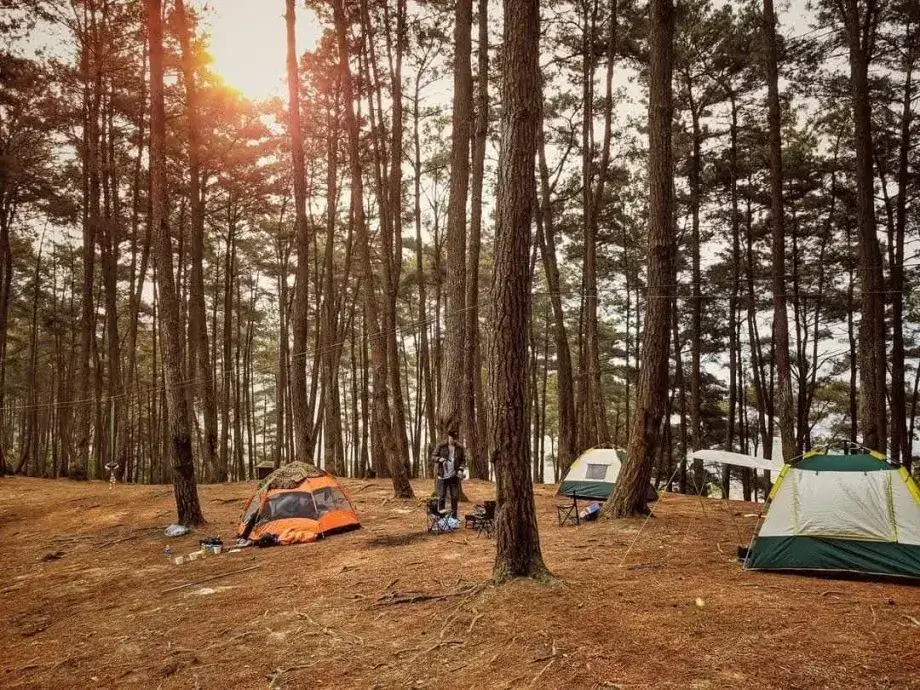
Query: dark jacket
<point>442,451</point>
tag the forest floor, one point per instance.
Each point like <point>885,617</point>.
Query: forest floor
<point>84,602</point>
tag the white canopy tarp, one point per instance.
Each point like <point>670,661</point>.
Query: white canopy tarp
<point>724,457</point>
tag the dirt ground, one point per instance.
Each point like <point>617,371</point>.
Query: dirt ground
<point>84,602</point>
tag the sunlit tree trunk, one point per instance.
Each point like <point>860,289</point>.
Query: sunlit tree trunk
<point>184,485</point>
<point>381,413</point>
<point>90,74</point>
<point>303,445</point>
<point>198,319</point>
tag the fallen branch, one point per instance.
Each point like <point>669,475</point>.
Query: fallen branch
<point>276,676</point>
<point>473,623</point>
<point>911,619</point>
<point>542,671</point>
<point>209,579</point>
<point>395,599</point>
<point>429,650</point>
<point>329,631</point>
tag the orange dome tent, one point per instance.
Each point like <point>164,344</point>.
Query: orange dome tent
<point>296,504</point>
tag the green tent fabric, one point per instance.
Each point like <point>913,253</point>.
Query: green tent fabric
<point>595,490</point>
<point>849,513</point>
<point>842,555</point>
<point>843,463</point>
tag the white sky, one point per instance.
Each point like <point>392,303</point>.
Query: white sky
<point>248,43</point>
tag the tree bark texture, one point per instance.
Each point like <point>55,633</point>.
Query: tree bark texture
<point>381,409</point>
<point>455,342</point>
<point>302,423</point>
<point>198,317</point>
<point>629,496</point>
<point>860,20</point>
<point>184,485</point>
<point>777,221</point>
<point>479,467</point>
<point>518,542</point>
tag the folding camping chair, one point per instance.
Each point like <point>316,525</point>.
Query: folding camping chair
<point>484,520</point>
<point>436,517</point>
<point>567,513</point>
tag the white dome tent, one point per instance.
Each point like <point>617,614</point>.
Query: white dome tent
<point>594,473</point>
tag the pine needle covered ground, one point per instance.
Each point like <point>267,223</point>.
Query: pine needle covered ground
<point>89,599</point>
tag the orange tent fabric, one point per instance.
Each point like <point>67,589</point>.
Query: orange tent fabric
<point>298,503</point>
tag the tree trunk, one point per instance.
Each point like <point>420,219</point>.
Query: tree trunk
<point>901,443</point>
<point>860,30</point>
<point>198,318</point>
<point>425,351</point>
<point>302,421</point>
<point>518,542</point>
<point>90,73</point>
<point>381,414</point>
<point>479,467</point>
<point>393,247</point>
<point>777,217</point>
<point>184,486</point>
<point>594,398</point>
<point>455,342</point>
<point>630,495</point>
<point>565,392</point>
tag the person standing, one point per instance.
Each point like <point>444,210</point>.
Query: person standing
<point>450,457</point>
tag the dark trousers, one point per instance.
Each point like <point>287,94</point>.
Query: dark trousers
<point>451,486</point>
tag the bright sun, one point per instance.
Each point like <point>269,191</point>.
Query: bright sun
<point>248,43</point>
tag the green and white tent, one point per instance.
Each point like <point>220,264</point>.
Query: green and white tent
<point>594,473</point>
<point>849,513</point>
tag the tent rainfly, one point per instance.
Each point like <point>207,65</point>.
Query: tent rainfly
<point>593,475</point>
<point>847,513</point>
<point>723,457</point>
<point>298,503</point>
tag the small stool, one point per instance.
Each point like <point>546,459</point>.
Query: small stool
<point>567,513</point>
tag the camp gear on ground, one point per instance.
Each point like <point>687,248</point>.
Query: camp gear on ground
<point>297,503</point>
<point>594,473</point>
<point>852,513</point>
<point>482,519</point>
<point>211,545</point>
<point>176,531</point>
<point>435,515</point>
<point>447,524</point>
<point>567,513</point>
<point>590,513</point>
